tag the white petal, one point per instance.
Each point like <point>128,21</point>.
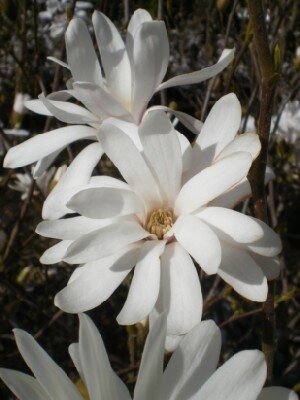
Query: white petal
<point>180,291</point>
<point>186,151</point>
<point>131,165</point>
<point>149,380</point>
<point>104,241</point>
<point>144,288</point>
<point>49,375</point>
<point>269,245</point>
<point>219,129</point>
<point>70,228</point>
<point>99,101</point>
<point>44,144</point>
<point>114,58</point>
<point>68,112</point>
<point>202,75</point>
<point>38,107</point>
<point>55,253</point>
<point>193,362</point>
<point>247,142</point>
<point>81,55</point>
<point>200,241</point>
<point>269,266</point>
<point>193,124</point>
<point>97,281</point>
<point>77,174</point>
<point>150,63</point>
<point>129,128</point>
<point>212,181</point>
<point>105,202</point>
<point>241,272</point>
<point>163,153</point>
<point>99,376</point>
<point>138,18</point>
<point>74,354</point>
<point>233,196</point>
<point>277,393</point>
<point>45,162</point>
<point>241,377</point>
<point>239,227</point>
<point>25,387</point>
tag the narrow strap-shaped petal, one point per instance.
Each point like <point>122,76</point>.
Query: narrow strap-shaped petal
<point>150,59</point>
<point>44,144</point>
<point>55,254</point>
<point>81,55</point>
<point>104,242</point>
<point>131,165</point>
<point>193,361</point>
<point>138,18</point>
<point>241,377</point>
<point>246,142</point>
<point>96,281</point>
<point>149,380</point>
<point>144,287</point>
<point>45,162</point>
<point>212,181</point>
<point>53,379</point>
<point>114,59</point>
<point>200,241</point>
<point>78,173</point>
<point>202,75</point>
<point>162,151</point>
<point>25,387</point>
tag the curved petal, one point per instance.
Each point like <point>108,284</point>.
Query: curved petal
<point>105,203</point>
<point>199,241</point>
<point>37,106</point>
<point>193,361</point>
<point>55,253</point>
<point>23,386</point>
<point>180,290</point>
<point>150,376</point>
<point>131,165</point>
<point>44,144</point>
<point>212,182</point>
<point>269,245</point>
<point>78,173</point>
<point>144,288</point>
<point>104,241</point>
<point>99,376</point>
<point>246,142</point>
<point>239,227</point>
<point>162,152</point>
<point>241,377</point>
<point>150,63</point>
<point>45,162</point>
<point>138,18</point>
<point>81,55</point>
<point>53,379</point>
<point>202,75</point>
<point>96,281</point>
<point>277,393</point>
<point>114,58</point>
<point>241,272</point>
<point>269,265</point>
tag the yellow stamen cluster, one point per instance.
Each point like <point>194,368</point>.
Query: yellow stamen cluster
<point>160,222</point>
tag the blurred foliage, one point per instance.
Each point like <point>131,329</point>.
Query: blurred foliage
<point>198,31</point>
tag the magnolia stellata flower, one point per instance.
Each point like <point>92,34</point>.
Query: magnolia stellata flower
<point>133,73</point>
<point>190,373</point>
<point>167,211</point>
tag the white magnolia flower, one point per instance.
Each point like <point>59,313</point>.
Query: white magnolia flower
<point>172,208</point>
<point>190,373</point>
<point>133,73</point>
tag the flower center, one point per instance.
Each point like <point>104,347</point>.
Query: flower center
<point>160,222</point>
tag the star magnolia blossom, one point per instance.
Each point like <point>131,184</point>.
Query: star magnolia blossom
<point>133,73</point>
<point>161,218</point>
<point>190,373</point>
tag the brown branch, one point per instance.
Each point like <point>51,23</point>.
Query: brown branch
<point>268,78</point>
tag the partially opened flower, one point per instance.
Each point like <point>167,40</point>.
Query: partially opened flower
<point>190,373</point>
<point>133,72</point>
<point>158,220</point>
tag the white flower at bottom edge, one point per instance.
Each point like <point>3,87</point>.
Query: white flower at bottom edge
<point>189,375</point>
<point>157,221</point>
